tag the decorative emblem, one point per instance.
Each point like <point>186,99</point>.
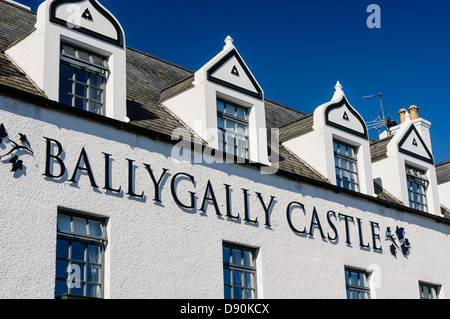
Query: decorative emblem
<point>345,116</point>
<point>235,71</point>
<point>414,142</point>
<point>87,15</point>
<point>12,148</point>
<point>399,242</point>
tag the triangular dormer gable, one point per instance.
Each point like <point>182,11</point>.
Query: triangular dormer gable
<point>231,71</point>
<point>88,17</point>
<point>412,144</point>
<point>343,116</point>
<point>73,36</point>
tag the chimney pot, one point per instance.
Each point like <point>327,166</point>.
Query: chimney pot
<point>402,114</point>
<point>414,112</point>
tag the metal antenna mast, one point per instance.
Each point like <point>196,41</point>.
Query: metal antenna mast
<point>382,111</point>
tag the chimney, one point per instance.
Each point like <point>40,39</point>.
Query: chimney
<point>402,114</point>
<point>414,112</point>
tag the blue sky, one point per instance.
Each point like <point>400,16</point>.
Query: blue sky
<point>298,49</point>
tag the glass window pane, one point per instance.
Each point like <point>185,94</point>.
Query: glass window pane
<point>77,289</point>
<point>248,280</point>
<point>83,56</point>
<point>227,292</point>
<point>236,256</point>
<point>61,268</point>
<point>248,294</point>
<point>95,108</point>
<point>231,126</point>
<point>81,104</point>
<point>96,81</point>
<point>230,109</point>
<point>62,249</point>
<point>237,278</point>
<point>81,76</point>
<point>220,123</point>
<point>241,113</point>
<point>226,276</point>
<point>93,273</point>
<point>60,287</point>
<point>78,251</point>
<point>237,293</point>
<point>64,223</point>
<point>66,99</point>
<point>80,226</point>
<point>93,291</point>
<point>95,95</point>
<point>220,106</point>
<point>248,258</point>
<point>66,86</point>
<point>93,254</point>
<point>81,90</point>
<point>95,229</point>
<point>226,254</point>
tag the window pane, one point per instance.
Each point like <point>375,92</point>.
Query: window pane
<point>66,86</point>
<point>93,273</point>
<point>241,113</point>
<point>248,280</point>
<point>227,292</point>
<point>237,278</point>
<point>95,108</point>
<point>93,291</point>
<point>230,109</point>
<point>80,226</point>
<point>236,256</point>
<point>226,254</point>
<point>220,106</point>
<point>65,99</point>
<point>95,229</point>
<point>69,51</point>
<point>83,56</point>
<point>95,95</point>
<point>237,293</point>
<point>78,251</point>
<point>81,76</point>
<point>60,287</point>
<point>93,254</point>
<point>61,268</point>
<point>62,249</point>
<point>220,123</point>
<point>96,81</point>
<point>78,289</point>
<point>64,223</point>
<point>226,276</point>
<point>81,90</point>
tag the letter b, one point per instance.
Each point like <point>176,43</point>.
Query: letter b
<point>50,155</point>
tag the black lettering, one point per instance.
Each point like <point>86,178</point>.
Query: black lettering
<point>131,180</point>
<point>347,230</point>
<point>156,183</point>
<point>56,157</point>
<point>87,168</point>
<point>108,178</point>
<point>315,222</point>
<point>266,209</point>
<point>361,244</point>
<point>375,236</point>
<point>331,225</point>
<point>288,216</point>
<point>209,189</point>
<point>229,205</point>
<point>174,192</point>
<point>247,208</point>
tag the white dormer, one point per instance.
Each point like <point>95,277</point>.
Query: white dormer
<point>76,55</point>
<point>407,170</point>
<point>337,146</point>
<point>225,106</point>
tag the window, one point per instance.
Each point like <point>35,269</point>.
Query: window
<point>357,284</point>
<point>239,272</point>
<point>82,79</point>
<point>232,123</point>
<point>417,186</point>
<point>79,256</point>
<point>428,291</point>
<point>345,165</point>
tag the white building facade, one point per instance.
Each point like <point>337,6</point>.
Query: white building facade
<point>102,199</point>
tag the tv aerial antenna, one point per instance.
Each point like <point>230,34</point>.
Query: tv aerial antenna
<point>377,123</point>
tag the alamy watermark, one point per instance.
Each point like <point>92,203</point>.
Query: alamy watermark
<point>374,19</point>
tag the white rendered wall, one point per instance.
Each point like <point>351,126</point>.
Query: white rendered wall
<point>158,250</point>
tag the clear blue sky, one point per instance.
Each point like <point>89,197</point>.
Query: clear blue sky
<point>298,49</point>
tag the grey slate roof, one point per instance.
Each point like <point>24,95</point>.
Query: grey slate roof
<point>378,149</point>
<point>150,81</point>
<point>443,172</point>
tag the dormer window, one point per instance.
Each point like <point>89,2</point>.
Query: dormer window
<point>232,124</point>
<point>346,167</point>
<point>417,188</point>
<point>82,79</point>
